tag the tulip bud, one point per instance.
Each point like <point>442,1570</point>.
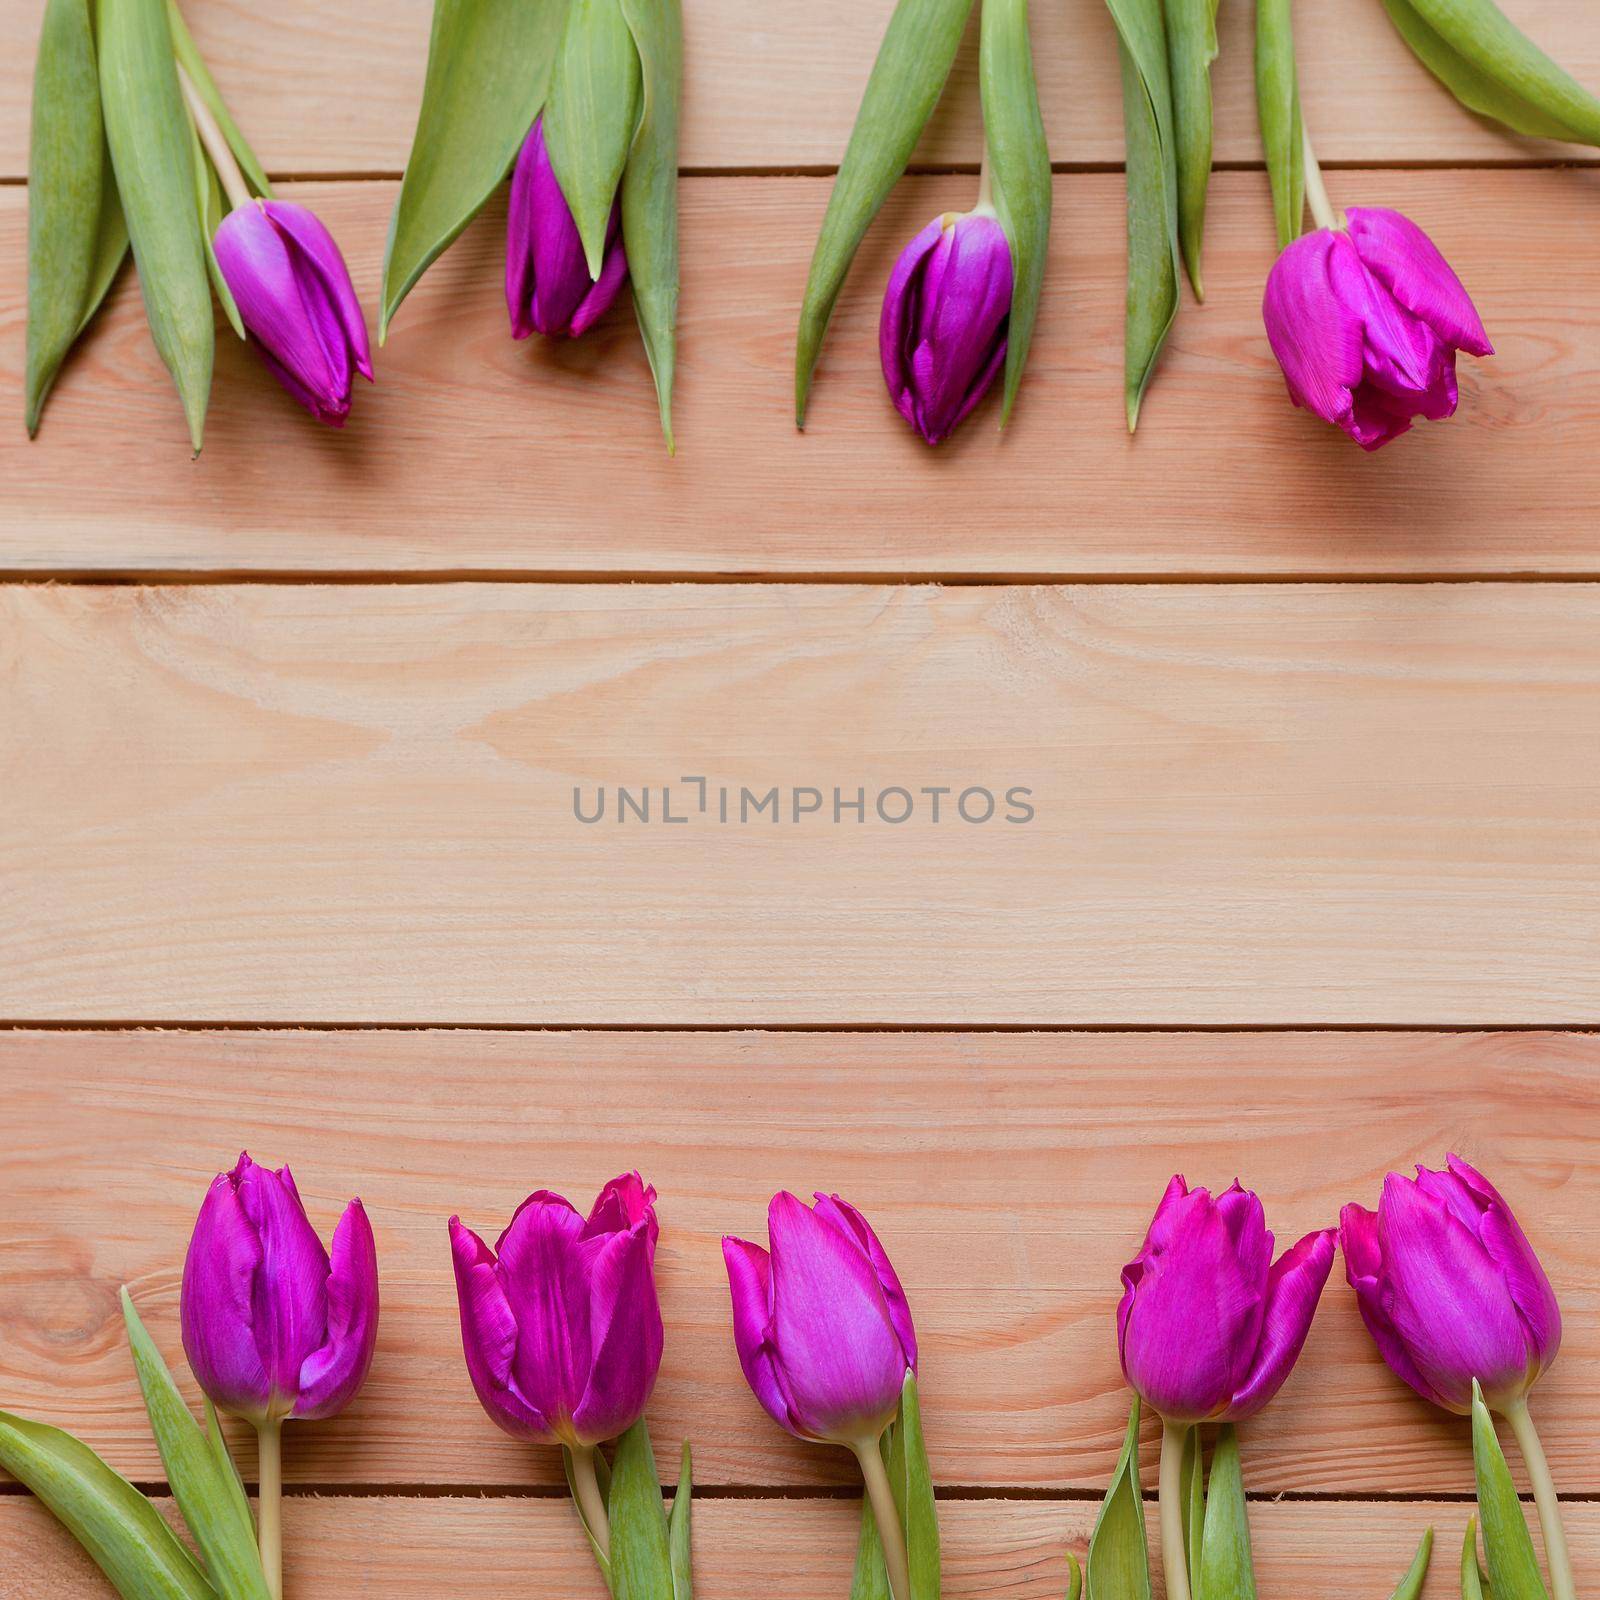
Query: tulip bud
<point>1450,1288</point>
<point>560,1322</point>
<point>548,288</point>
<point>942,335</point>
<point>294,294</point>
<point>821,1323</point>
<point>1365,321</point>
<point>1209,1325</point>
<point>271,1327</point>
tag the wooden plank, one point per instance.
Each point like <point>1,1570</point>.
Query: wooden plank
<point>1275,805</point>
<point>1011,1176</point>
<point>788,1549</point>
<point>477,454</point>
<point>774,88</point>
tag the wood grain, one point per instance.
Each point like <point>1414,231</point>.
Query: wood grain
<point>788,1550</point>
<point>474,453</point>
<point>1278,805</point>
<point>334,90</point>
<point>1010,1176</point>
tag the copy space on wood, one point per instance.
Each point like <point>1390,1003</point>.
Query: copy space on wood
<point>1010,1177</point>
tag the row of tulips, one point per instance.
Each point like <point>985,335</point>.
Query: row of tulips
<point>562,1334</point>
<point>579,100</point>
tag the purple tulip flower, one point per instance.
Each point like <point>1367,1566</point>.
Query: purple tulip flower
<point>1450,1288</point>
<point>825,1339</point>
<point>942,335</point>
<point>821,1323</point>
<point>560,1322</point>
<point>548,287</point>
<point>294,294</point>
<point>271,1326</point>
<point>1365,321</point>
<point>1210,1325</point>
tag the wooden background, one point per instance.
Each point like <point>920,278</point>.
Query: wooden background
<point>289,734</point>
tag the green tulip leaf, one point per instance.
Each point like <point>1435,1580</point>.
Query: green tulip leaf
<point>76,235</point>
<point>1193,1489</point>
<point>1191,48</point>
<point>907,78</point>
<point>123,1533</point>
<point>679,1540</point>
<point>147,129</point>
<point>592,113</point>
<point>641,1543</point>
<point>1474,1580</point>
<point>1278,111</point>
<point>207,1493</point>
<point>193,63</point>
<point>489,64</point>
<point>1226,1569</point>
<point>1074,1578</point>
<point>1152,198</point>
<point>1513,1567</point>
<point>650,190</point>
<point>1495,69</point>
<point>1119,1557</point>
<point>603,1475</point>
<point>913,1493</point>
<point>1019,170</point>
<point>208,200</point>
<point>1410,1586</point>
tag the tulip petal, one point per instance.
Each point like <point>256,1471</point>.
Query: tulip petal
<point>332,1375</point>
<point>217,1303</point>
<point>848,1220</point>
<point>897,324</point>
<point>603,291</point>
<point>316,250</point>
<point>1447,1300</point>
<point>625,1330</point>
<point>1294,1287</point>
<point>750,1286</point>
<point>519,236</point>
<point>489,1336</point>
<point>1363,1267</point>
<point>542,1271</point>
<point>1411,267</point>
<point>1502,1236</point>
<point>623,1202</point>
<point>1318,340</point>
<point>842,1362</point>
<point>291,1284</point>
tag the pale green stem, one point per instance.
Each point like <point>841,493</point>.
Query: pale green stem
<point>1544,1497</point>
<point>586,1486</point>
<point>1316,189</point>
<point>985,182</point>
<point>269,1507</point>
<point>1174,1547</point>
<point>215,142</point>
<point>887,1515</point>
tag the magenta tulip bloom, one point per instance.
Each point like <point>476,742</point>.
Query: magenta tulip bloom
<point>294,294</point>
<point>272,1327</point>
<point>821,1323</point>
<point>560,1322</point>
<point>942,335</point>
<point>1210,1325</point>
<point>1365,321</point>
<point>1450,1288</point>
<point>548,288</point>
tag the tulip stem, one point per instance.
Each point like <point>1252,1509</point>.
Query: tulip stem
<point>985,182</point>
<point>215,142</point>
<point>1316,189</point>
<point>1174,1547</point>
<point>586,1490</point>
<point>269,1513</point>
<point>1544,1497</point>
<point>887,1515</point>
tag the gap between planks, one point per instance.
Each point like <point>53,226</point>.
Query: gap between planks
<point>1063,1029</point>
